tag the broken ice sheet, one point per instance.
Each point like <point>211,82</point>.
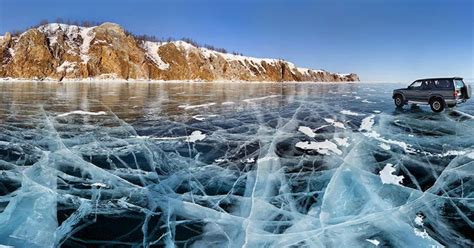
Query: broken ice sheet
<point>185,165</point>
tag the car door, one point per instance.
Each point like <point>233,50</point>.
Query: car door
<point>425,91</point>
<point>413,91</point>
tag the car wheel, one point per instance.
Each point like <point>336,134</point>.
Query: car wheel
<point>437,105</point>
<point>398,101</point>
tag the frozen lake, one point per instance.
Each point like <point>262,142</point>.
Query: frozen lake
<point>231,165</point>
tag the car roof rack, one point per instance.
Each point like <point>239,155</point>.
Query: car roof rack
<point>441,78</point>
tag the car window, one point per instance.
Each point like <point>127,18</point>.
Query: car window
<point>443,84</point>
<point>415,85</point>
<point>458,83</point>
<point>425,85</point>
<point>431,84</point>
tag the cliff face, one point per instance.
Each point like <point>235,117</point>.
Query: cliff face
<point>60,51</point>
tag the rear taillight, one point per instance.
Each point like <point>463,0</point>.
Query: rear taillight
<point>455,94</point>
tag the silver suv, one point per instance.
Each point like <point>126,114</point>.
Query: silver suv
<point>437,92</point>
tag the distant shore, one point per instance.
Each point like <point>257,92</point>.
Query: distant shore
<point>95,80</point>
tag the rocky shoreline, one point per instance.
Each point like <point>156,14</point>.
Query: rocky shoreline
<point>69,53</point>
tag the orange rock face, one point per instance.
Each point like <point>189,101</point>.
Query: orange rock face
<point>60,51</point>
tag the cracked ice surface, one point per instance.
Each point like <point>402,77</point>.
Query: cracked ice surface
<point>219,165</point>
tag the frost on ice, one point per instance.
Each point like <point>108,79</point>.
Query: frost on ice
<point>79,170</point>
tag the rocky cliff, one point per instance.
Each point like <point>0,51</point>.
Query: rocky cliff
<point>60,51</point>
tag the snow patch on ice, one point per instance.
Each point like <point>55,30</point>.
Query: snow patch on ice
<point>373,241</point>
<point>384,146</point>
<point>452,153</point>
<point>387,176</point>
<point>406,147</point>
<point>335,123</point>
<point>259,98</point>
<point>99,185</point>
<point>6,246</point>
<point>342,141</point>
<point>367,123</point>
<point>308,131</point>
<point>419,220</point>
<point>321,147</point>
<point>80,112</point>
<point>195,136</point>
<point>348,112</point>
<point>422,234</point>
<point>250,160</point>
<point>470,155</point>
<point>202,117</point>
<point>187,106</point>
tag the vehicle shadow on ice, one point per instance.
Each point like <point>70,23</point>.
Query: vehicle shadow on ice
<point>416,112</point>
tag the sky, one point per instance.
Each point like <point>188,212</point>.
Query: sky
<point>382,41</point>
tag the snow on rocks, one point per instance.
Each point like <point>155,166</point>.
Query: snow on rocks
<point>87,35</point>
<point>12,52</point>
<point>387,176</point>
<point>151,49</point>
<point>66,66</point>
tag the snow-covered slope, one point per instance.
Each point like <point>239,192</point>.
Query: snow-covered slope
<point>61,51</point>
